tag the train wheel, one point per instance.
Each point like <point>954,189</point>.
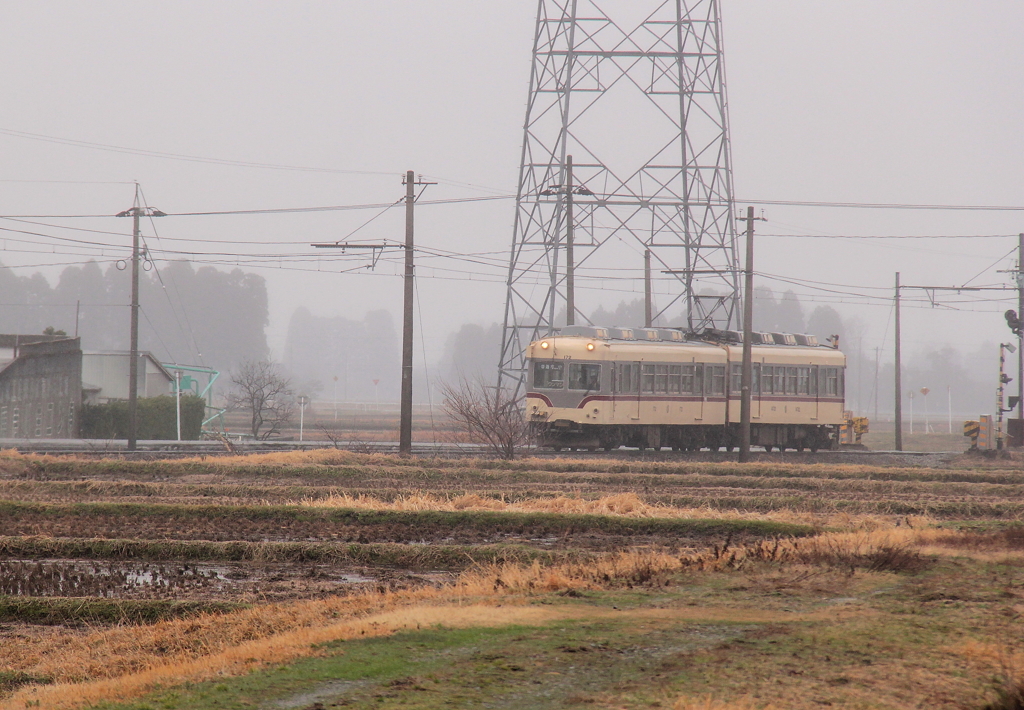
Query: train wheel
<point>768,448</point>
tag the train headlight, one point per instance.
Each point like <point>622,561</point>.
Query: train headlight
<point>544,345</point>
<point>590,346</point>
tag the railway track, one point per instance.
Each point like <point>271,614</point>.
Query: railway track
<point>183,449</point>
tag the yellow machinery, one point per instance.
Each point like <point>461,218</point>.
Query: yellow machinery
<point>852,429</point>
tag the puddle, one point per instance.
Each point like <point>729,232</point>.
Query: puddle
<point>129,579</point>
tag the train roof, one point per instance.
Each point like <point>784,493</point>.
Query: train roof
<point>681,335</point>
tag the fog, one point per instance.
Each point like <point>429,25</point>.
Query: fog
<point>226,106</point>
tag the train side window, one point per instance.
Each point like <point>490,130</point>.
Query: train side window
<point>831,382</point>
<point>548,375</point>
<point>585,376</point>
<point>766,379</point>
<point>628,377</point>
<point>779,381</point>
<point>686,380</point>
<point>698,379</point>
<point>803,380</point>
<point>661,379</point>
<point>841,385</point>
<point>675,376</point>
<point>790,380</point>
<point>736,378</point>
<point>647,379</point>
<point>755,379</point>
<point>717,383</point>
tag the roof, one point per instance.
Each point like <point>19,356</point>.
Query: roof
<point>125,353</point>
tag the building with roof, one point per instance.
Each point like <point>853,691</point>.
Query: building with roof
<point>40,386</point>
<point>105,376</point>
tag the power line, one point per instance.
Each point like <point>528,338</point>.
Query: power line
<point>885,205</point>
<point>184,157</point>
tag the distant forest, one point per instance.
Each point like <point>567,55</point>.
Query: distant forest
<point>202,316</point>
<point>219,318</point>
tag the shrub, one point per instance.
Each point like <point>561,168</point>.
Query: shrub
<point>157,418</point>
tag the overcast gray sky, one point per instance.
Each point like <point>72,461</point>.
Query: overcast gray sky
<point>909,102</point>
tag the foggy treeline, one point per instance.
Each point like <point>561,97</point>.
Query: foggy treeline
<point>356,352</point>
<point>219,318</point>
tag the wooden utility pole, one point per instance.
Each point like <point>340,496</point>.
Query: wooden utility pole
<point>405,421</point>
<point>405,427</point>
<point>746,375</point>
<point>135,213</point>
<point>570,276</point>
<point>1020,344</point>
<point>648,305</point>
<point>898,419</point>
<point>133,365</point>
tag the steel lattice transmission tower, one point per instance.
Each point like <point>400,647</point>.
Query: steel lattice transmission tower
<point>625,155</point>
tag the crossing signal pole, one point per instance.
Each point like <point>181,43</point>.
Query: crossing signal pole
<point>931,291</point>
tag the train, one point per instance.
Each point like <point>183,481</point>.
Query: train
<point>590,388</point>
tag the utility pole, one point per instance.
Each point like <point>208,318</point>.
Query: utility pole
<point>746,375</point>
<point>898,419</point>
<point>405,428</point>
<point>877,353</point>
<point>135,213</point>
<point>1020,343</point>
<point>405,421</point>
<point>648,305</point>
<point>570,276</point>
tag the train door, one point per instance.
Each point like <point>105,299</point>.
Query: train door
<point>816,389</point>
<point>637,367</point>
<point>699,388</point>
<point>755,390</point>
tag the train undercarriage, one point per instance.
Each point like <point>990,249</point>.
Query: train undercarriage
<point>564,434</point>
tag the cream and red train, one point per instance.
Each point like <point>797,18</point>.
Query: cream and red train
<point>591,388</point>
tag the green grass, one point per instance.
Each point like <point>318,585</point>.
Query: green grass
<point>490,522</point>
<point>414,557</point>
<point>894,646</point>
<point>60,611</point>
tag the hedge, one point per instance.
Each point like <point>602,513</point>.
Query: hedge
<point>157,419</point>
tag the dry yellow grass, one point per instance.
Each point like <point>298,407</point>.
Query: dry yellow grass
<point>127,661</point>
<point>624,504</point>
<point>715,704</point>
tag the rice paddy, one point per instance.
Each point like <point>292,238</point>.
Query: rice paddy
<point>332,578</point>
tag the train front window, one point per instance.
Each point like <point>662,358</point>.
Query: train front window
<point>585,376</point>
<point>548,375</point>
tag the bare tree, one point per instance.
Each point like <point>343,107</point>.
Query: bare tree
<point>490,415</point>
<point>260,389</point>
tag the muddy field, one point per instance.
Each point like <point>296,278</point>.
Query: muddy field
<point>88,545</point>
